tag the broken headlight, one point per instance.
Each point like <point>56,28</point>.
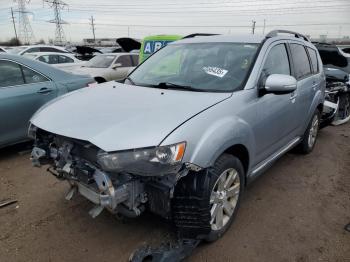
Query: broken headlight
<point>32,131</point>
<point>160,160</point>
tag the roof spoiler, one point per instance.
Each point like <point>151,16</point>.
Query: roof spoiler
<point>295,34</point>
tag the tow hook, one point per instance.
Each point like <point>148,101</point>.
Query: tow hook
<point>166,252</point>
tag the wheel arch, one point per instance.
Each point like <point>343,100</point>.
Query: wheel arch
<point>241,152</point>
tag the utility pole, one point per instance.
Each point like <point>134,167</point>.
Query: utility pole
<point>14,26</point>
<point>57,5</point>
<point>26,34</point>
<point>264,27</point>
<point>253,27</point>
<point>93,27</point>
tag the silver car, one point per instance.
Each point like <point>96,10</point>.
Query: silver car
<point>189,129</point>
<point>25,86</point>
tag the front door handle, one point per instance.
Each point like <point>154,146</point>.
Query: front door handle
<point>293,96</point>
<point>44,90</point>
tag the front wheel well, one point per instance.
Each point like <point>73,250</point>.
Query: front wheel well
<point>241,152</point>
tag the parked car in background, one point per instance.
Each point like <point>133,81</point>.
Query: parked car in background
<point>26,85</point>
<point>107,67</point>
<point>59,60</point>
<point>21,50</point>
<point>190,128</point>
<point>111,49</point>
<point>333,57</point>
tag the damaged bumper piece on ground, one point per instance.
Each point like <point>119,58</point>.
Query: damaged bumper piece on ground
<point>118,192</point>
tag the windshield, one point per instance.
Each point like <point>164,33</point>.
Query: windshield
<point>100,61</point>
<point>17,50</point>
<point>220,67</point>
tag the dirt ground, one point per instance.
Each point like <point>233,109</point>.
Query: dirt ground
<point>296,211</point>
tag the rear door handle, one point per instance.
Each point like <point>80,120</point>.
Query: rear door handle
<point>44,90</point>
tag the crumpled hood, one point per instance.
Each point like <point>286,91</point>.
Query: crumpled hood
<point>114,116</point>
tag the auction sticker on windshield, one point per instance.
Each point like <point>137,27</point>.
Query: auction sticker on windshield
<point>215,71</point>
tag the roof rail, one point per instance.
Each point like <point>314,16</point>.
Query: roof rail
<point>198,34</point>
<point>297,35</point>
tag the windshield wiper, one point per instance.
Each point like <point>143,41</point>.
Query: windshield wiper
<point>130,80</point>
<point>169,85</point>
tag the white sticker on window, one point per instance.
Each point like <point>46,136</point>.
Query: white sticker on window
<point>215,71</point>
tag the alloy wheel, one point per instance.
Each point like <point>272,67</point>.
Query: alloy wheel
<point>224,198</point>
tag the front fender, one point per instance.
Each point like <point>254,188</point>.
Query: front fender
<point>208,135</point>
<point>221,135</point>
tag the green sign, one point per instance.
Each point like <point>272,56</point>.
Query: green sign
<point>151,44</point>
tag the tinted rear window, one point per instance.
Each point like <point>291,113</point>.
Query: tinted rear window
<point>301,61</point>
<point>314,60</point>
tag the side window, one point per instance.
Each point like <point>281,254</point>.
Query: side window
<point>64,59</point>
<point>135,60</point>
<point>277,61</point>
<point>50,49</point>
<point>53,59</point>
<point>32,50</point>
<point>10,74</point>
<point>301,61</point>
<point>31,77</point>
<point>44,58</point>
<point>124,60</point>
<point>314,60</point>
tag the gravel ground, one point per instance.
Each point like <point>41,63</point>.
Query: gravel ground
<point>296,211</point>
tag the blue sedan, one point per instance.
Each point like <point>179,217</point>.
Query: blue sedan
<point>26,85</point>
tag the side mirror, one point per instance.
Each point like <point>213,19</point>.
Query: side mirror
<point>280,84</point>
<point>115,66</point>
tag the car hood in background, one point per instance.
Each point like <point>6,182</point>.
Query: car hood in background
<point>114,116</point>
<point>128,44</point>
<point>86,50</point>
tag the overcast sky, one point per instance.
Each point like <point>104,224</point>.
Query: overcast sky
<point>140,18</point>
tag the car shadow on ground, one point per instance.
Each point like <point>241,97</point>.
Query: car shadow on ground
<point>15,150</point>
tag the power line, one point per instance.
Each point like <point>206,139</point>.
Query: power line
<point>200,4</point>
<point>198,8</point>
<point>236,12</point>
<point>26,34</point>
<point>57,5</point>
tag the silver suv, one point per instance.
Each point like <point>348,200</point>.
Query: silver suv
<point>189,129</point>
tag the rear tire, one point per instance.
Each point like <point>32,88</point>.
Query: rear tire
<point>205,203</point>
<point>309,138</point>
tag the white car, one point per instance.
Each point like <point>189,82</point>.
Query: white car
<point>21,50</point>
<point>108,67</point>
<point>60,60</point>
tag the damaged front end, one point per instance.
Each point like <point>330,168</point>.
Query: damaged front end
<point>125,182</point>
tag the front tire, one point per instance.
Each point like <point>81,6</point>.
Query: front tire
<point>205,204</point>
